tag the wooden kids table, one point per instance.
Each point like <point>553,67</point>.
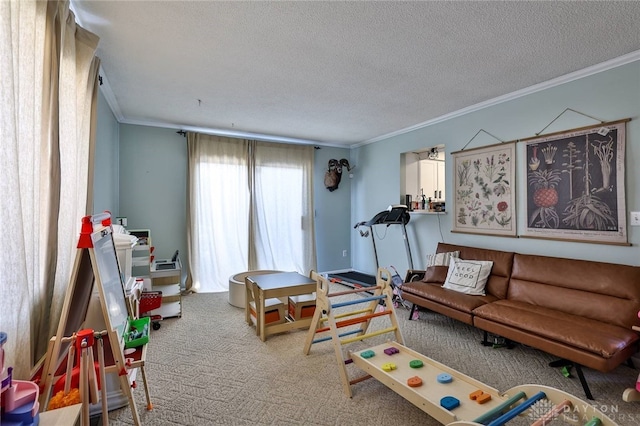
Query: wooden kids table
<point>263,287</point>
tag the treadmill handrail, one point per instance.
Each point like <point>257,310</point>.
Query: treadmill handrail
<point>381,218</point>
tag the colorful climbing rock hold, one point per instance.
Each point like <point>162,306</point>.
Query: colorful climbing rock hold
<point>444,378</point>
<point>449,402</point>
<point>391,351</point>
<point>485,397</point>
<point>480,397</point>
<point>368,354</point>
<point>415,363</point>
<point>388,366</point>
<point>414,381</point>
<point>474,395</point>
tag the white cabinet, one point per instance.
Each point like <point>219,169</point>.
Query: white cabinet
<point>423,172</point>
<point>432,179</point>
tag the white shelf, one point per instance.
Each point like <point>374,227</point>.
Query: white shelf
<point>426,212</point>
<point>168,281</point>
<point>172,272</point>
<point>168,289</point>
<point>168,310</point>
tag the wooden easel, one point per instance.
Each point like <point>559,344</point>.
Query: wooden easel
<point>96,264</point>
<point>325,313</point>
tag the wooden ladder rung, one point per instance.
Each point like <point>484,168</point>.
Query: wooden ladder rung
<point>366,336</point>
<point>360,379</point>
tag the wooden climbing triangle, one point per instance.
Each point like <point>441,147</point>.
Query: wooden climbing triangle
<point>348,327</point>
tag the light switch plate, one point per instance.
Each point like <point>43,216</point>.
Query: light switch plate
<point>635,219</point>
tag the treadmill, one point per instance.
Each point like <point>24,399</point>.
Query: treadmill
<point>395,215</point>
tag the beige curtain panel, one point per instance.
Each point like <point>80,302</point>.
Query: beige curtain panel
<point>48,93</point>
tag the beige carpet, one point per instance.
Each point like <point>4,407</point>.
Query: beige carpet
<point>209,368</point>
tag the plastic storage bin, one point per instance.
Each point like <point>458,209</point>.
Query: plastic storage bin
<point>137,333</point>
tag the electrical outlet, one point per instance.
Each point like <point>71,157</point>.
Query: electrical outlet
<point>635,218</point>
<point>344,253</point>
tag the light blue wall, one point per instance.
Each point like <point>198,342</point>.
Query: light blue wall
<point>332,213</point>
<point>610,95</point>
<point>106,167</point>
<point>153,182</point>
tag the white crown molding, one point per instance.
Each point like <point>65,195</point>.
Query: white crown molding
<point>107,92</point>
<point>230,133</point>
<point>595,69</point>
<point>105,87</point>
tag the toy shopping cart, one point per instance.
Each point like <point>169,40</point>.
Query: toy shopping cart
<point>150,300</point>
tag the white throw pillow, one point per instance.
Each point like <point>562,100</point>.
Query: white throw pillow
<point>468,276</point>
<point>441,259</point>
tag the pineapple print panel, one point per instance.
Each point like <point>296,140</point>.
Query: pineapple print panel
<point>575,185</point>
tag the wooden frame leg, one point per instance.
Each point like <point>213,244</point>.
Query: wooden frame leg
<point>260,319</point>
<point>247,303</point>
<point>126,389</point>
<point>146,389</point>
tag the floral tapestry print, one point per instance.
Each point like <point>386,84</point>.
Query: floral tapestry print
<point>575,185</point>
<point>484,200</point>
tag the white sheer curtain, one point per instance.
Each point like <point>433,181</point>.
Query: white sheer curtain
<point>282,223</point>
<point>44,171</point>
<point>218,210</point>
<point>250,207</point>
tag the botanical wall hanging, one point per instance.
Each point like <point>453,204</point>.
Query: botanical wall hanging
<point>575,184</point>
<point>484,194</point>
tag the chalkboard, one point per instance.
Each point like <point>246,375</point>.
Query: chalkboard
<point>110,285</point>
<point>95,267</point>
<point>79,292</point>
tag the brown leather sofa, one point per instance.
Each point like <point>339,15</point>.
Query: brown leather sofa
<point>580,311</point>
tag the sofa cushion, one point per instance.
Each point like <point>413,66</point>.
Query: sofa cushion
<point>441,259</point>
<point>604,292</point>
<point>600,338</point>
<point>436,293</point>
<point>468,276</point>
<point>435,274</point>
<point>498,282</point>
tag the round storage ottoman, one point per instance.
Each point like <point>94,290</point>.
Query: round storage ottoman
<point>237,289</point>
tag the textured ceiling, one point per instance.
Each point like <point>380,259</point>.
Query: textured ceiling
<point>340,73</point>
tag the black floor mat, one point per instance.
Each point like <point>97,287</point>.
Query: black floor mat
<point>353,278</point>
